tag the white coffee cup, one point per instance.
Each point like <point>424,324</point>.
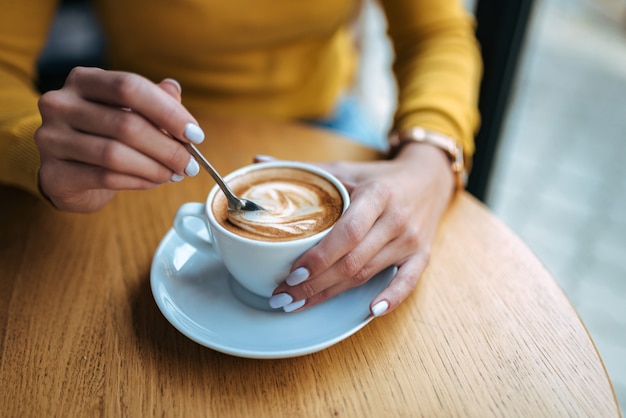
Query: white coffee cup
<point>257,265</point>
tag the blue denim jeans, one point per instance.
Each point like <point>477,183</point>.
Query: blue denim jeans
<point>351,120</point>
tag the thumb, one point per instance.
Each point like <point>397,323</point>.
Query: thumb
<point>346,172</point>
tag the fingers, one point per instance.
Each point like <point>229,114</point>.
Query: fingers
<point>364,242</point>
<point>350,173</point>
<point>128,158</point>
<point>127,90</point>
<point>359,233</point>
<point>151,148</point>
<point>172,87</point>
<point>401,286</point>
<point>263,158</point>
<point>386,224</point>
<point>83,176</point>
<point>95,186</point>
<point>396,207</point>
<point>370,257</point>
<point>115,131</point>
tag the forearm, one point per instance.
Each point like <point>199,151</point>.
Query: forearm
<point>23,30</point>
<point>19,158</point>
<point>19,119</point>
<point>437,67</point>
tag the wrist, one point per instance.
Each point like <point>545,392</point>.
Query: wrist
<point>428,164</point>
<point>448,146</point>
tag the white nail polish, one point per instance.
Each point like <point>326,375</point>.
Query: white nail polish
<point>264,158</point>
<point>297,276</point>
<point>279,300</point>
<point>192,168</point>
<point>194,133</point>
<point>295,305</point>
<point>380,308</point>
<point>177,177</point>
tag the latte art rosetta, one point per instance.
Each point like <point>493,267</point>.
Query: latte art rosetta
<point>293,209</point>
<point>299,203</point>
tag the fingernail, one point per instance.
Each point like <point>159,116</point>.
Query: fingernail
<point>264,158</point>
<point>295,305</point>
<point>194,133</point>
<point>177,177</point>
<point>192,168</point>
<point>280,299</point>
<point>173,82</point>
<point>380,308</point>
<point>297,276</point>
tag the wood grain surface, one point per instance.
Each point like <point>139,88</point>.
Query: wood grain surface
<point>487,332</point>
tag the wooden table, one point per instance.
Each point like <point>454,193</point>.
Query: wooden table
<point>486,333</point>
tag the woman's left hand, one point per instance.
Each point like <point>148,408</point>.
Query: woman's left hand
<point>396,206</point>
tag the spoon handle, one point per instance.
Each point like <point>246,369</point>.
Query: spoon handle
<point>232,199</point>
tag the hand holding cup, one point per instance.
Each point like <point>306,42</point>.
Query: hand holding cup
<point>259,248</point>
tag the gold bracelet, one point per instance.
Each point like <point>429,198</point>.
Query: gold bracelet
<point>453,149</point>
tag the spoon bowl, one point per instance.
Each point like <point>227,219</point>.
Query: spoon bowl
<point>234,202</point>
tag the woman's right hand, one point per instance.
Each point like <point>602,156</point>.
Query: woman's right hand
<point>106,131</point>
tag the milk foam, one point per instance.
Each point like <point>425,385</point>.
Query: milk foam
<point>293,209</point>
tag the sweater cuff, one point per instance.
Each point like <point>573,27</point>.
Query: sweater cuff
<point>20,159</point>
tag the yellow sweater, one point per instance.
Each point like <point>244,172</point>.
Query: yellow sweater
<point>283,59</point>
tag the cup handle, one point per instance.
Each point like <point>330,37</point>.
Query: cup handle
<point>192,210</point>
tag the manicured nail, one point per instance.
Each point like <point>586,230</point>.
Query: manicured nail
<point>174,83</point>
<point>280,300</point>
<point>295,305</point>
<point>380,308</point>
<point>263,158</point>
<point>194,133</point>
<point>192,168</point>
<point>177,177</point>
<point>297,276</point>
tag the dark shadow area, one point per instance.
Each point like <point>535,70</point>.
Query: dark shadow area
<point>501,32</point>
<point>75,39</point>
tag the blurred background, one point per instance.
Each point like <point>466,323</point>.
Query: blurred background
<point>559,176</point>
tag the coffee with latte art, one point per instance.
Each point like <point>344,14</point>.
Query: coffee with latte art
<point>298,204</point>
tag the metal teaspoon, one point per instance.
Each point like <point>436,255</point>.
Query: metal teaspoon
<point>234,202</point>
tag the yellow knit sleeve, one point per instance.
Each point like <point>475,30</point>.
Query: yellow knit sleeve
<point>19,157</point>
<point>23,30</point>
<point>437,67</point>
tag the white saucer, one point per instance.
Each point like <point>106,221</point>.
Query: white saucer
<point>195,293</point>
